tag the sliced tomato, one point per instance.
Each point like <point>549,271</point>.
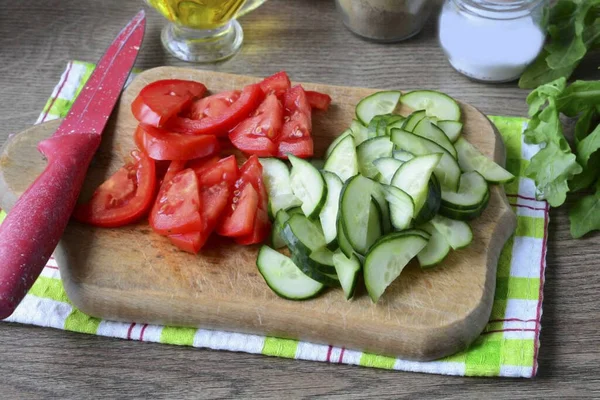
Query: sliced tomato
<point>226,170</point>
<point>158,101</point>
<point>213,106</point>
<point>239,219</point>
<point>175,167</point>
<point>124,198</point>
<point>161,144</point>
<point>178,204</point>
<point>199,164</point>
<point>318,100</point>
<point>191,242</point>
<point>277,83</point>
<point>255,135</point>
<point>262,228</point>
<point>295,135</point>
<point>221,124</point>
<point>251,172</point>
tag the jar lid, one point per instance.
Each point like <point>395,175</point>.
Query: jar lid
<point>499,9</point>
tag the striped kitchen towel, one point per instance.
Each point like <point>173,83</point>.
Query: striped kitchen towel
<point>508,347</point>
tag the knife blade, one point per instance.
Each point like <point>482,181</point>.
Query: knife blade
<point>33,227</point>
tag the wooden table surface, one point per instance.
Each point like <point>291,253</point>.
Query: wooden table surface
<point>307,39</point>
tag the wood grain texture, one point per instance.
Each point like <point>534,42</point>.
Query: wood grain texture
<point>36,40</point>
<point>423,315</point>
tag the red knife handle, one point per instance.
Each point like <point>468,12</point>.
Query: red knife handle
<point>33,227</point>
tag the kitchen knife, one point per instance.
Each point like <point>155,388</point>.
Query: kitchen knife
<point>33,227</point>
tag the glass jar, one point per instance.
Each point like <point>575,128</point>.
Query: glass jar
<point>493,40</point>
<point>384,20</point>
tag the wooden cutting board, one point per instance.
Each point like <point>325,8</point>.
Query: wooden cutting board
<point>131,274</point>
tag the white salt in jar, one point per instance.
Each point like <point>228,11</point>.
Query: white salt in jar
<point>493,40</point>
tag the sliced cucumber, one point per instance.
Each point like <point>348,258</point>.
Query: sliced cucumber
<point>382,207</point>
<point>324,259</point>
<point>402,155</point>
<point>369,151</point>
<point>336,141</point>
<point>359,131</point>
<point>345,245</point>
<point>387,258</point>
<point>347,270</point>
<point>303,235</point>
<point>314,269</point>
<point>343,160</point>
<point>277,240</point>
<point>463,213</point>
<point>361,227</point>
<point>471,192</point>
<point>470,159</point>
<point>458,234</point>
<point>402,208</point>
<point>329,212</point>
<point>413,119</point>
<point>392,119</point>
<point>436,250</point>
<point>447,171</point>
<point>373,128</point>
<point>452,129</point>
<point>428,130</point>
<point>378,103</point>
<point>432,203</point>
<point>276,176</point>
<point>436,104</point>
<point>308,185</point>
<point>387,167</point>
<point>413,178</point>
<point>284,277</point>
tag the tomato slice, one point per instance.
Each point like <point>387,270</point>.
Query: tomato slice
<point>295,135</point>
<point>161,144</point>
<point>251,172</point>
<point>220,125</point>
<point>158,101</point>
<point>277,83</point>
<point>226,170</point>
<point>262,227</point>
<point>191,242</point>
<point>213,106</point>
<point>318,100</point>
<point>255,135</point>
<point>178,205</point>
<point>199,164</point>
<point>124,198</point>
<point>239,220</point>
<point>175,167</point>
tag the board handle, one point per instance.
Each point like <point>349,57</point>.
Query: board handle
<point>33,227</point>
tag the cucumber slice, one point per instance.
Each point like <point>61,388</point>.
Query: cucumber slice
<point>343,160</point>
<point>436,250</point>
<point>359,131</point>
<point>336,141</point>
<point>314,269</point>
<point>324,261</point>
<point>402,208</point>
<point>382,207</point>
<point>361,226</point>
<point>284,277</point>
<point>470,159</point>
<point>413,119</point>
<point>276,176</point>
<point>276,233</point>
<point>458,234</point>
<point>464,214</point>
<point>413,178</point>
<point>317,163</point>
<point>447,171</point>
<point>369,151</point>
<point>302,235</point>
<point>373,128</point>
<point>345,245</point>
<point>393,119</point>
<point>378,103</point>
<point>436,104</point>
<point>329,212</point>
<point>387,258</point>
<point>387,167</point>
<point>471,192</point>
<point>347,270</point>
<point>452,129</point>
<point>432,203</point>
<point>308,185</point>
<point>428,130</point>
<point>402,155</point>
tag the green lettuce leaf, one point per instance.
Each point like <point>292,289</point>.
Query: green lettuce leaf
<point>551,168</point>
<point>584,124</point>
<point>585,214</point>
<point>588,176</point>
<point>578,97</point>
<point>539,73</point>
<point>540,96</point>
<point>588,146</point>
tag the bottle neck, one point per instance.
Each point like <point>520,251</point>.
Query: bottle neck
<point>498,9</point>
